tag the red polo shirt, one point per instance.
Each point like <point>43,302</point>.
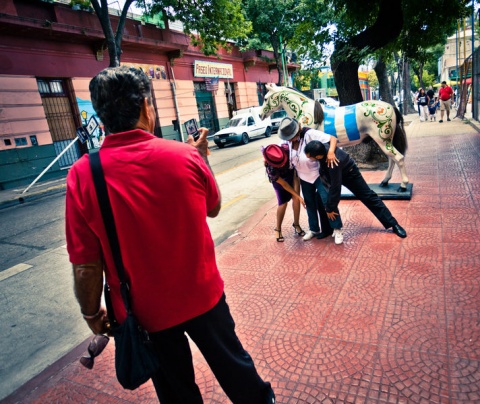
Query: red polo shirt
<point>160,191</point>
<point>445,93</point>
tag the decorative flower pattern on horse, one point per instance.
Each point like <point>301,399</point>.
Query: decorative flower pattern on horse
<point>351,124</point>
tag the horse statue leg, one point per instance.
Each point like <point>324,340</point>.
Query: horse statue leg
<point>388,175</point>
<point>394,157</point>
<point>395,152</point>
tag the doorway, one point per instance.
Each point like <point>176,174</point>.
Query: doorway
<point>206,108</point>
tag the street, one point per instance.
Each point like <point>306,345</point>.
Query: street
<point>40,317</point>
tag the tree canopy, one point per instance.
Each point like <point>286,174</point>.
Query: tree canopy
<point>210,24</point>
<point>273,26</point>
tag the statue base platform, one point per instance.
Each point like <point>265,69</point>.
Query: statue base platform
<point>388,192</point>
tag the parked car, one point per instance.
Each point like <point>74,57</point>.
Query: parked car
<point>246,124</point>
<point>276,118</point>
<point>329,101</point>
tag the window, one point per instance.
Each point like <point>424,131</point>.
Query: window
<point>7,142</point>
<point>33,140</point>
<point>50,87</point>
<point>20,141</point>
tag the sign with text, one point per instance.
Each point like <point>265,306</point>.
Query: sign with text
<point>212,69</point>
<point>82,134</point>
<point>92,125</point>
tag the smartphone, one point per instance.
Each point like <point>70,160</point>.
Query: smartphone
<point>191,127</point>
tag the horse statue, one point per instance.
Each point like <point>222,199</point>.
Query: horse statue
<point>350,124</point>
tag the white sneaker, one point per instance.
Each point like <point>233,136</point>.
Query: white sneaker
<point>338,235</point>
<point>309,235</point>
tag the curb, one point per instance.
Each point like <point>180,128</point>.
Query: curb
<point>22,198</point>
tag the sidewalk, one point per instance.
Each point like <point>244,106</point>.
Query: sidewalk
<point>377,319</point>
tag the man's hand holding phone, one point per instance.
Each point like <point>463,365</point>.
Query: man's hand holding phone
<point>200,141</point>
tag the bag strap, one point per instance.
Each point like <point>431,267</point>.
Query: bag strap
<point>109,223</point>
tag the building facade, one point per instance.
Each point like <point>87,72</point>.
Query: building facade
<point>49,52</point>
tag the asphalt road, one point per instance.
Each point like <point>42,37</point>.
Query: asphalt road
<point>40,319</point>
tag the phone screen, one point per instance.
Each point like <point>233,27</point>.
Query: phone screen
<point>191,127</point>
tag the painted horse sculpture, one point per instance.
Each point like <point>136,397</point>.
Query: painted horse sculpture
<point>350,124</point>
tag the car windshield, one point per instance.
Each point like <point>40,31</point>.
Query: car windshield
<point>235,122</point>
<point>279,114</point>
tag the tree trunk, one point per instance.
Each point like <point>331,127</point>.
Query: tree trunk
<point>114,41</point>
<point>345,73</point>
<point>383,83</point>
<point>386,28</point>
<point>408,106</point>
<point>277,56</point>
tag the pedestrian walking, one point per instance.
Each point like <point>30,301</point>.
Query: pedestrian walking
<point>161,192</point>
<point>445,94</point>
<point>423,101</point>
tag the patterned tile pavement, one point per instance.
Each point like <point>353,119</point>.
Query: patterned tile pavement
<point>378,319</point>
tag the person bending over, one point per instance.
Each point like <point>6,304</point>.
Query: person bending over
<point>347,173</point>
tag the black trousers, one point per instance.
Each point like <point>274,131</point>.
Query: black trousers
<point>355,182</point>
<point>214,334</point>
<point>315,207</point>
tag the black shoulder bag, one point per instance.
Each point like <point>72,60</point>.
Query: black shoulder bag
<point>135,359</point>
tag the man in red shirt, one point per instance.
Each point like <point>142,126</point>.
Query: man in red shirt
<point>446,96</point>
<point>161,192</point>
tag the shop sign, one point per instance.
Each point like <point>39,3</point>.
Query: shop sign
<point>154,72</point>
<point>212,69</point>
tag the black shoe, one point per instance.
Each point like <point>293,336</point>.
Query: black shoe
<point>440,121</point>
<point>448,119</point>
<point>300,232</point>
<point>324,234</point>
<point>399,231</point>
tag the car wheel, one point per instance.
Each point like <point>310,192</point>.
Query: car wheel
<point>220,145</point>
<point>268,131</point>
<point>245,138</point>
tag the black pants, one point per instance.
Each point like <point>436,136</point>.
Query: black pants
<point>214,335</point>
<point>315,207</point>
<point>355,182</point>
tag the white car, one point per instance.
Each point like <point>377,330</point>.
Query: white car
<point>276,118</point>
<point>241,128</point>
<point>331,102</point>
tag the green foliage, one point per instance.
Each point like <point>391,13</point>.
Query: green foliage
<point>83,4</point>
<point>210,24</point>
<point>304,79</point>
<point>428,26</point>
<point>425,25</point>
<point>372,79</point>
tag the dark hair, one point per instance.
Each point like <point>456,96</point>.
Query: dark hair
<point>117,95</point>
<point>444,82</point>
<point>315,148</point>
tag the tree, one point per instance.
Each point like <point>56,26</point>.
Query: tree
<point>114,40</point>
<point>273,26</point>
<point>209,23</point>
<point>384,22</point>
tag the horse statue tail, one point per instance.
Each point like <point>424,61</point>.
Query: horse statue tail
<point>318,114</point>
<point>399,136</point>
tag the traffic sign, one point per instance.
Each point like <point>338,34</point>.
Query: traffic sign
<point>82,134</point>
<point>91,125</point>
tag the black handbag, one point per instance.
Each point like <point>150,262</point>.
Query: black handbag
<point>135,358</point>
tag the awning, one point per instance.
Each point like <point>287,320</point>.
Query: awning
<point>449,82</point>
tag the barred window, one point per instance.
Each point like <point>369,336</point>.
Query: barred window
<point>50,87</point>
